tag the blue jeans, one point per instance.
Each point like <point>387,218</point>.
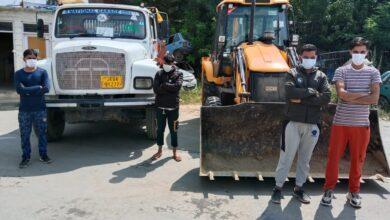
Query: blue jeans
<point>26,121</point>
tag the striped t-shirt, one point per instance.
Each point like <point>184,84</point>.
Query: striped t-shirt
<point>356,81</point>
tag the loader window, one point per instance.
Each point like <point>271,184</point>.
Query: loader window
<point>266,19</point>
<point>100,22</point>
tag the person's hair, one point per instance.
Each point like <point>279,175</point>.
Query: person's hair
<point>309,48</point>
<point>169,59</point>
<point>30,52</point>
<point>359,41</point>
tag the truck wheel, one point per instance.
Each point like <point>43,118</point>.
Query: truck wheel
<point>151,123</point>
<point>55,124</point>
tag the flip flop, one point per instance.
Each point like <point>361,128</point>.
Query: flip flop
<point>156,156</point>
<point>177,158</point>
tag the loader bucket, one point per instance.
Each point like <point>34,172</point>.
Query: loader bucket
<point>244,141</point>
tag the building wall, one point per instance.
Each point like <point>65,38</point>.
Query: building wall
<point>18,17</point>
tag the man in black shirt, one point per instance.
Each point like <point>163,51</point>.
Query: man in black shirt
<point>166,86</point>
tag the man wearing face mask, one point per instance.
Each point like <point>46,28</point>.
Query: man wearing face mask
<point>307,92</point>
<point>31,84</point>
<point>358,86</point>
<point>167,84</point>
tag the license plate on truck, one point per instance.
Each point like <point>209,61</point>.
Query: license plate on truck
<point>111,82</point>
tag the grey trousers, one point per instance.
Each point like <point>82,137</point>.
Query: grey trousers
<point>301,138</point>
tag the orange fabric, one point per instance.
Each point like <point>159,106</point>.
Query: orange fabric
<point>357,138</point>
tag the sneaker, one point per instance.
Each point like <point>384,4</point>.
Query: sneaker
<point>276,196</point>
<point>327,198</point>
<point>45,159</point>
<point>24,163</point>
<point>301,196</point>
<point>355,200</point>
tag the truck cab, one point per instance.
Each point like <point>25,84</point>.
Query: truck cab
<point>102,65</point>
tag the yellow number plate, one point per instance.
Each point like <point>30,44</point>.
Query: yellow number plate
<point>111,82</point>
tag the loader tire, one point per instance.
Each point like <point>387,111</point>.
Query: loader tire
<point>208,90</point>
<point>213,101</point>
<point>55,124</point>
<point>227,99</point>
<point>151,123</point>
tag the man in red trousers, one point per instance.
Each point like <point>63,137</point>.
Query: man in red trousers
<point>358,86</point>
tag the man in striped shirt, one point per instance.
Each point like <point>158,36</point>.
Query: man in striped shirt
<point>358,87</point>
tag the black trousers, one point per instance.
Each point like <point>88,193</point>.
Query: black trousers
<point>172,117</point>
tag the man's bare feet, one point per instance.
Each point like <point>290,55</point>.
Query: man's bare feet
<point>176,157</point>
<point>157,155</point>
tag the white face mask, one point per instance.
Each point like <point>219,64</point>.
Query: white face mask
<point>167,68</point>
<point>358,59</point>
<point>31,63</point>
<point>308,63</point>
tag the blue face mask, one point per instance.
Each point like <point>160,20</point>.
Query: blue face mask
<point>358,59</point>
<point>308,63</point>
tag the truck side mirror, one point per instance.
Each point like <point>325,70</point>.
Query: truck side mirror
<point>295,40</point>
<point>164,30</point>
<point>40,28</point>
<point>221,41</point>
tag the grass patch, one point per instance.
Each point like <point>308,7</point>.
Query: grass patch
<point>192,96</point>
<point>333,97</point>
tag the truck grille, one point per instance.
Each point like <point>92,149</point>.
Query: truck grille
<point>82,70</point>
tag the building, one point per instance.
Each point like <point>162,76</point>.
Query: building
<point>17,33</point>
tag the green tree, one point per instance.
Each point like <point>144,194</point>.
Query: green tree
<point>377,28</point>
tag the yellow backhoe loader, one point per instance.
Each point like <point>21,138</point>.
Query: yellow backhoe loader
<point>244,98</point>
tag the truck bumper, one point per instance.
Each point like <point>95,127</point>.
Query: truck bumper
<point>117,102</point>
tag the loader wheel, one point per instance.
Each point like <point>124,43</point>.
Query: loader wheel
<point>55,124</point>
<point>227,99</point>
<point>208,90</point>
<point>213,101</point>
<point>151,123</point>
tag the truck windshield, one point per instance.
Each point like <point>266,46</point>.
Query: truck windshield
<point>100,22</point>
<point>266,20</point>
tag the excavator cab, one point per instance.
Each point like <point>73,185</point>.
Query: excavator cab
<point>244,97</point>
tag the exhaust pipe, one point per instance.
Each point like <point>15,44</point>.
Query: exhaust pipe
<point>252,23</point>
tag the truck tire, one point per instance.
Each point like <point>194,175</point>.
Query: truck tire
<point>55,124</point>
<point>151,123</point>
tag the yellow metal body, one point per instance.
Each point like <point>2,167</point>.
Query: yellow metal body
<point>262,58</point>
<point>243,2</point>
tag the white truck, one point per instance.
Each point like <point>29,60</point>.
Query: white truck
<point>103,64</point>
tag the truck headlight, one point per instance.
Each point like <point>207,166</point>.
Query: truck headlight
<point>143,83</point>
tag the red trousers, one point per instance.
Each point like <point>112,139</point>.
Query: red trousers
<point>357,138</point>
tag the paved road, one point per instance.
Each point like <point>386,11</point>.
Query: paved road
<point>102,171</point>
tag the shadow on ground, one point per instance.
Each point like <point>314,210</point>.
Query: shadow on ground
<point>191,182</point>
<point>188,137</point>
<point>83,145</point>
